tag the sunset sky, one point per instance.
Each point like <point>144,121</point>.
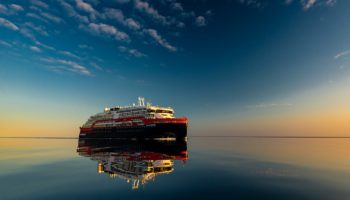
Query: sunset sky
<point>238,67</point>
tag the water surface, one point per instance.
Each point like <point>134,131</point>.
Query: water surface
<point>204,168</point>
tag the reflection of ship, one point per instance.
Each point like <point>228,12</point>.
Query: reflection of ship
<point>134,161</point>
<point>137,121</point>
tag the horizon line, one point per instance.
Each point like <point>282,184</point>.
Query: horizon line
<point>193,136</point>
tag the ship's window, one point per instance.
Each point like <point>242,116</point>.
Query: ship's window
<point>164,111</point>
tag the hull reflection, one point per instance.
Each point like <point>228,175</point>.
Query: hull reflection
<point>137,161</point>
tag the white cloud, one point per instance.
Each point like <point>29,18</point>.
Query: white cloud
<point>39,29</point>
<point>10,9</point>
<point>16,7</point>
<point>40,4</point>
<point>96,66</point>
<point>145,7</point>
<point>70,54</point>
<point>342,54</point>
<point>180,25</point>
<point>115,14</point>
<point>35,16</point>
<point>35,48</point>
<point>132,24</point>
<point>271,105</point>
<point>134,52</point>
<point>84,6</point>
<point>288,2</point>
<point>8,24</point>
<point>109,30</point>
<point>71,12</point>
<point>3,9</point>
<point>200,21</point>
<point>252,3</point>
<point>177,6</point>
<point>45,46</point>
<point>4,43</point>
<point>52,17</point>
<point>186,15</point>
<point>27,33</point>
<point>85,46</point>
<point>160,40</point>
<point>330,2</point>
<point>73,66</point>
<point>307,4</point>
<point>80,69</point>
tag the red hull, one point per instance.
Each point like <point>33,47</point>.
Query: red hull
<point>134,124</point>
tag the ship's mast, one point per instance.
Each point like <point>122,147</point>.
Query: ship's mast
<point>141,101</point>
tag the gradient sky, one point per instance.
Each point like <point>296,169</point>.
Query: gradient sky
<point>238,66</point>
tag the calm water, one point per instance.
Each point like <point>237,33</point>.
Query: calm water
<point>205,168</point>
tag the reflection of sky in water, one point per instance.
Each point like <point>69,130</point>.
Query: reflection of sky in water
<point>226,168</point>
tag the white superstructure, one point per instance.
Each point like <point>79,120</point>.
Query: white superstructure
<point>141,110</point>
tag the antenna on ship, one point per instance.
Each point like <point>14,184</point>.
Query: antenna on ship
<point>141,101</point>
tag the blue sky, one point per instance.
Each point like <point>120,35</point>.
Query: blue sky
<point>209,60</point>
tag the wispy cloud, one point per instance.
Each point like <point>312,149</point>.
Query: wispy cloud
<point>252,3</point>
<point>176,6</point>
<point>35,49</point>
<point>112,13</point>
<point>35,16</point>
<point>44,45</point>
<point>27,33</point>
<point>160,40</point>
<point>40,4</point>
<point>109,30</point>
<point>10,9</point>
<point>70,54</point>
<point>39,29</point>
<point>200,21</point>
<point>132,24</point>
<point>270,105</point>
<point>72,66</point>
<point>134,52</point>
<point>8,24</point>
<point>146,8</point>
<point>71,12</point>
<point>342,54</point>
<point>4,43</point>
<point>96,66</point>
<point>84,6</point>
<point>3,9</point>
<point>85,46</point>
<point>308,4</point>
<point>118,15</point>
<point>16,7</point>
<point>52,18</point>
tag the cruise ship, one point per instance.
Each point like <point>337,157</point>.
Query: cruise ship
<point>136,121</point>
